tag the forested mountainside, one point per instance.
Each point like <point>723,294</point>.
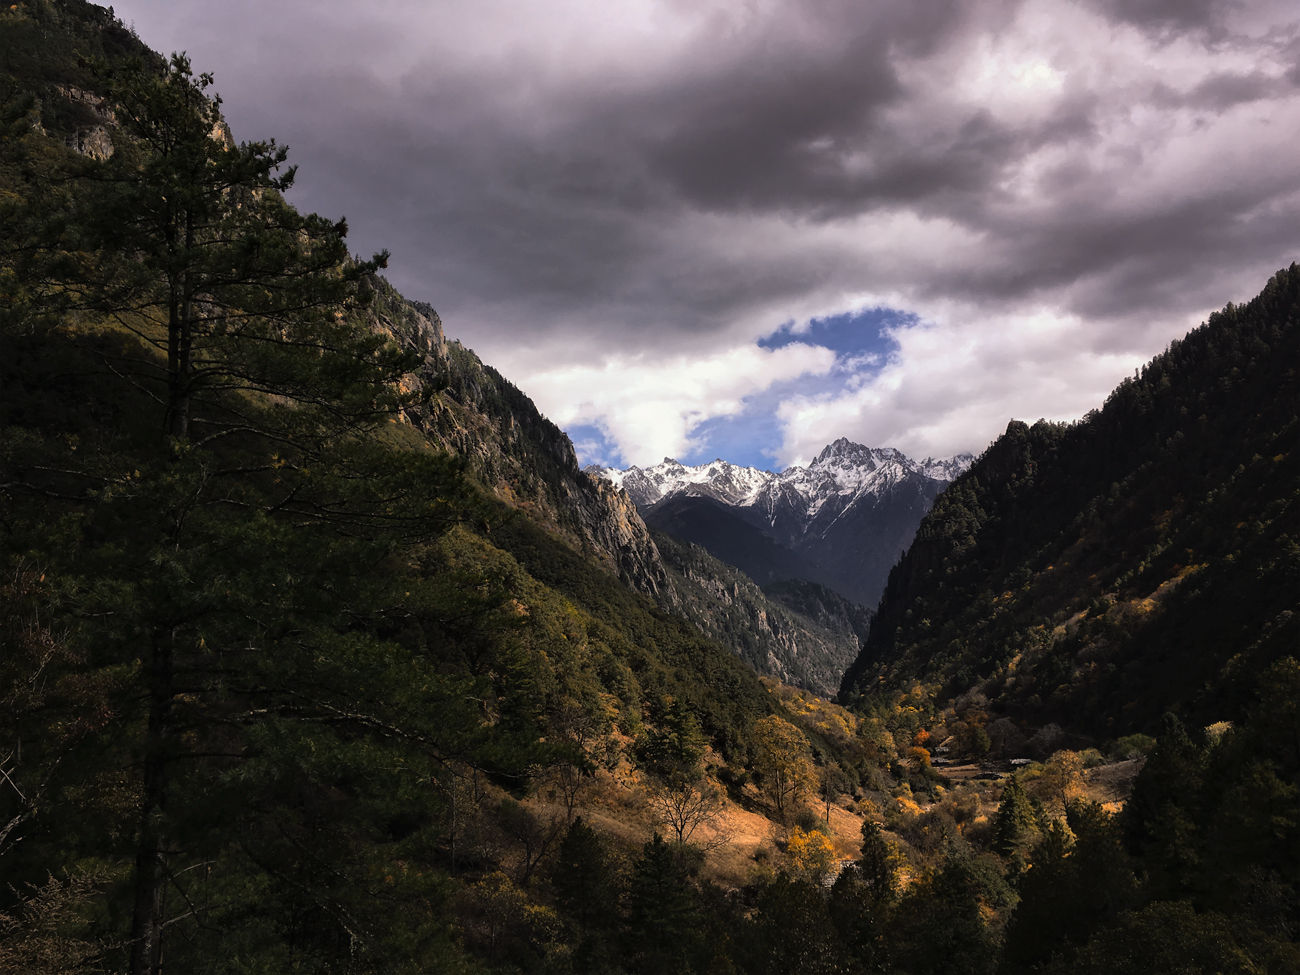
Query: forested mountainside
<point>796,631</point>
<point>287,686</point>
<point>1143,559</point>
<point>715,527</point>
<point>256,625</point>
<point>529,463</point>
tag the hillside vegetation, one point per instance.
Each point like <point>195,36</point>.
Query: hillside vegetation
<point>319,654</point>
<point>1145,558</point>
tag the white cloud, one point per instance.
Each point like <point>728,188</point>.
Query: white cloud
<point>651,408</point>
<point>611,203</point>
<point>953,386</point>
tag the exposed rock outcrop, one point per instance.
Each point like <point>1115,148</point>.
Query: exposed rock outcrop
<point>524,458</point>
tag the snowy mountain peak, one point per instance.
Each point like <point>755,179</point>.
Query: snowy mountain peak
<point>843,468</point>
<point>946,468</point>
<point>844,518</point>
<point>718,479</point>
<point>844,450</point>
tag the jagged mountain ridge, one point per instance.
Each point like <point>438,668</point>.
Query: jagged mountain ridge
<point>843,468</point>
<point>850,513</point>
<point>473,412</point>
<point>514,451</point>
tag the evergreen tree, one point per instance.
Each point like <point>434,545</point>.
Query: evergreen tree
<point>1169,936</point>
<point>673,750</point>
<point>878,865</point>
<point>791,931</point>
<point>1075,887</point>
<point>660,911</point>
<point>862,920</point>
<point>1015,819</point>
<point>587,893</point>
<point>183,240</point>
<point>863,898</point>
<point>227,593</point>
<point>1160,818</point>
<point>941,921</point>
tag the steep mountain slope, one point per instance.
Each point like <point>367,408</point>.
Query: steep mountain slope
<point>704,521</point>
<point>515,452</point>
<point>1146,557</point>
<point>254,663</point>
<point>796,631</point>
<point>848,515</point>
<point>529,464</point>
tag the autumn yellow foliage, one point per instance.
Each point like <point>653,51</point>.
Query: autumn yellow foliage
<point>810,854</point>
<point>781,757</point>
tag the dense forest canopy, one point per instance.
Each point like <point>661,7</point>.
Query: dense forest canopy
<point>287,686</point>
<point>1146,557</point>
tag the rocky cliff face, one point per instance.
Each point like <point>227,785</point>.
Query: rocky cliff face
<point>797,632</point>
<point>513,450</point>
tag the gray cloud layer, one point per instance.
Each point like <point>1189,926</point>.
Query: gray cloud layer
<point>1056,188</point>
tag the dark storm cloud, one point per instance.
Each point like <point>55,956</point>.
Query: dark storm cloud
<point>655,179</point>
<point>1168,17</point>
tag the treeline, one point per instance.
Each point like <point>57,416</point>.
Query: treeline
<point>1144,558</point>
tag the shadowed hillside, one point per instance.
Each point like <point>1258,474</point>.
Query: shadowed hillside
<point>1144,558</point>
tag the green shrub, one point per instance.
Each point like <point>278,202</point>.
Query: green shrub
<point>1092,758</point>
<point>1132,746</point>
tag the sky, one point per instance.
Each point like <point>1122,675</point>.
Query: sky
<point>698,229</point>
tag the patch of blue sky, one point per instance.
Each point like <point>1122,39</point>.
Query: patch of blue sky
<point>751,437</point>
<point>854,336</point>
<point>863,344</point>
<point>748,438</point>
<point>593,446</point>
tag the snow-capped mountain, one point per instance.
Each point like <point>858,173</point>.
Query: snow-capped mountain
<point>843,520</point>
<point>726,482</point>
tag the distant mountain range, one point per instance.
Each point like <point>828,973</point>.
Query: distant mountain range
<point>842,521</point>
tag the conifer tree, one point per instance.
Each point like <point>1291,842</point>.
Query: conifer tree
<point>1160,818</point>
<point>941,921</point>
<point>674,748</point>
<point>1015,818</point>
<point>878,864</point>
<point>862,899</point>
<point>661,909</point>
<point>1078,884</point>
<point>792,931</point>
<point>182,238</point>
<point>228,538</point>
<point>587,893</point>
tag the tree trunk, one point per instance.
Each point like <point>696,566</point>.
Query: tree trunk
<point>151,855</point>
<point>180,344</point>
